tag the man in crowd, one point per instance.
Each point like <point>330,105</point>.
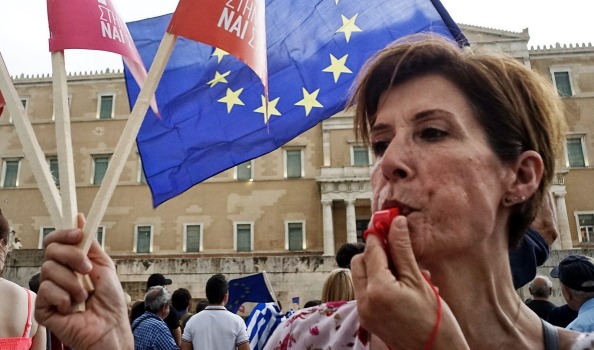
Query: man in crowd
<point>540,288</point>
<point>576,274</point>
<point>180,300</point>
<point>215,327</point>
<point>150,332</point>
<point>172,320</point>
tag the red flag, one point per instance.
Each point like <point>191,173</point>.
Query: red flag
<point>93,25</point>
<point>235,26</point>
<point>2,103</point>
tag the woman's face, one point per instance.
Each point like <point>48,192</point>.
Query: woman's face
<point>434,163</point>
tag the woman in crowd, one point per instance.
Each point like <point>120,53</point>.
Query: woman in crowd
<point>465,147</point>
<point>18,329</point>
<point>338,286</point>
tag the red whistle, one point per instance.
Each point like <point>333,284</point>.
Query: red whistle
<point>381,224</point>
<point>380,228</point>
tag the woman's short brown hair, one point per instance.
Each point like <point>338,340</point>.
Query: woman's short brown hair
<point>518,108</point>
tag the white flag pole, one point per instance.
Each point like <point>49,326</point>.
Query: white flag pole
<point>64,142</point>
<point>127,140</point>
<point>31,147</point>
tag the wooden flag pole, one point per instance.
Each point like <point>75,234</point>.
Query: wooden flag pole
<point>64,141</point>
<point>126,141</point>
<point>31,147</point>
<point>65,155</point>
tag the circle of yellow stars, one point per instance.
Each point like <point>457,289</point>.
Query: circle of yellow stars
<point>337,67</point>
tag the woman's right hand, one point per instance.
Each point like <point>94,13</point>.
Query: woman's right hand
<point>407,303</point>
<point>104,323</point>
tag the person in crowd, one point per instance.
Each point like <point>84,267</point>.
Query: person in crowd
<point>465,146</point>
<point>200,306</point>
<point>311,303</point>
<point>338,286</point>
<point>533,250</point>
<point>345,253</point>
<point>172,319</point>
<point>18,328</point>
<point>180,300</point>
<point>150,332</point>
<point>576,275</point>
<point>215,327</point>
<point>561,316</point>
<point>541,288</point>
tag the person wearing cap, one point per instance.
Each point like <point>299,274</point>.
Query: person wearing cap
<point>172,320</point>
<point>576,274</point>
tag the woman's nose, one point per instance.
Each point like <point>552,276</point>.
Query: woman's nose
<point>395,162</point>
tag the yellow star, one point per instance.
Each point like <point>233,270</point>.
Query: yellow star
<point>219,78</point>
<point>220,53</point>
<point>271,108</point>
<point>309,101</point>
<point>348,26</point>
<point>337,67</point>
<point>232,98</point>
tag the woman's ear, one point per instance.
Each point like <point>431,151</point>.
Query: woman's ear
<point>528,171</point>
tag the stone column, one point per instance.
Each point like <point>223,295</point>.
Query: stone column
<point>564,241</point>
<point>328,227</point>
<point>351,221</point>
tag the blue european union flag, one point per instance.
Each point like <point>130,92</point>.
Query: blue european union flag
<point>212,105</point>
<point>253,288</point>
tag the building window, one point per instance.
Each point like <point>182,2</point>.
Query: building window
<point>243,171</point>
<point>576,157</point>
<point>54,170</point>
<point>362,225</point>
<point>193,238</point>
<point>243,237</point>
<point>43,233</point>
<point>295,236</point>
<point>293,163</point>
<point>563,83</point>
<point>10,172</point>
<point>585,224</point>
<point>360,156</point>
<point>100,164</point>
<point>101,236</point>
<point>141,175</point>
<point>106,104</point>
<point>144,239</point>
<point>25,102</point>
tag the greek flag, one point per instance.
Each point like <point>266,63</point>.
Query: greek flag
<point>263,320</point>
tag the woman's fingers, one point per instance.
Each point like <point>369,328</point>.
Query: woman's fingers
<point>401,251</point>
<point>65,279</point>
<point>66,254</point>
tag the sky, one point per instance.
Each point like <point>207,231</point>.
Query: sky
<point>24,29</point>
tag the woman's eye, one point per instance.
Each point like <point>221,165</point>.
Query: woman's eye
<point>379,147</point>
<point>433,134</point>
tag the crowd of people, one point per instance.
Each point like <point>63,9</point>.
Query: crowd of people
<point>465,144</point>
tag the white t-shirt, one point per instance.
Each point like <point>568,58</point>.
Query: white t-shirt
<point>215,328</point>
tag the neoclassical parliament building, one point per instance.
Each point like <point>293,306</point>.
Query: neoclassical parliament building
<point>285,212</point>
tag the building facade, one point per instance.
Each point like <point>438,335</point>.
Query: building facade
<point>303,200</point>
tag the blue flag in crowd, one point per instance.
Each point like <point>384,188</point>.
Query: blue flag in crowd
<point>253,288</point>
<point>261,323</point>
<point>212,105</point>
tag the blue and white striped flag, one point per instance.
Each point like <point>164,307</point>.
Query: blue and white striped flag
<point>263,320</point>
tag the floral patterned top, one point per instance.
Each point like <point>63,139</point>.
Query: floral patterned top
<point>333,325</point>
